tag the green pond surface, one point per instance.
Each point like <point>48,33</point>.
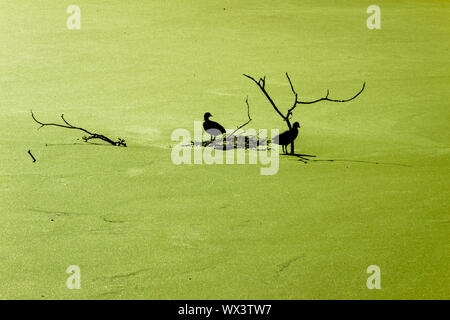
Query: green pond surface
<point>140,227</point>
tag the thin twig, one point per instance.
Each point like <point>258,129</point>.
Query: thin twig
<point>249,119</point>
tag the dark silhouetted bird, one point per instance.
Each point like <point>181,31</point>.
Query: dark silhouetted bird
<point>212,128</point>
<point>287,137</point>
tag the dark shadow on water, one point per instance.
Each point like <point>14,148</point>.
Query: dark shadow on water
<point>56,212</point>
<point>250,142</point>
<point>76,144</point>
<point>305,158</point>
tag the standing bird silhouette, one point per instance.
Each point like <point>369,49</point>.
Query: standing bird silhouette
<point>287,137</point>
<point>212,128</point>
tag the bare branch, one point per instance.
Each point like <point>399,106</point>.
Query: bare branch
<point>333,100</point>
<point>251,78</point>
<point>62,117</point>
<point>289,114</point>
<point>290,82</point>
<point>45,124</point>
<point>120,141</point>
<point>261,84</point>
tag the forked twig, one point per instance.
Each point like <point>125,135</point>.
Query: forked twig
<point>91,135</point>
<point>261,83</point>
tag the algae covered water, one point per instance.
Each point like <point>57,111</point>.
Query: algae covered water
<point>140,226</point>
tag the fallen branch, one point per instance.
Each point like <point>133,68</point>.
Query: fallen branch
<point>91,135</point>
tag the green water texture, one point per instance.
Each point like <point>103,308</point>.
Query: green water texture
<point>140,227</point>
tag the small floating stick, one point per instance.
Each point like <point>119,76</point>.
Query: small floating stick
<point>34,159</point>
